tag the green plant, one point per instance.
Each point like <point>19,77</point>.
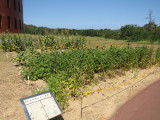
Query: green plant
<point>158,55</point>
<point>68,71</point>
<point>15,42</point>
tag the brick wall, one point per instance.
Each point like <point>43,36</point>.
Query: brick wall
<point>11,16</point>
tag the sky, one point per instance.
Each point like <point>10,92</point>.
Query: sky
<point>89,14</point>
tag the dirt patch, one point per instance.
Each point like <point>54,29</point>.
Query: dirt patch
<point>103,104</point>
<point>95,105</point>
<point>12,88</point>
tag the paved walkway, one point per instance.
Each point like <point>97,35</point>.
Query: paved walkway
<point>144,106</point>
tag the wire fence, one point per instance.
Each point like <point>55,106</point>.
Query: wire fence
<point>142,76</point>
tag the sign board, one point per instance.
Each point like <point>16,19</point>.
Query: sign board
<point>43,106</point>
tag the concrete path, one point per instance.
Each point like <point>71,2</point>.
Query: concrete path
<point>144,106</point>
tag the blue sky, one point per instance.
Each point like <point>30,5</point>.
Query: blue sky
<point>89,14</point>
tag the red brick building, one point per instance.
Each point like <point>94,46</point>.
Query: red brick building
<point>11,16</point>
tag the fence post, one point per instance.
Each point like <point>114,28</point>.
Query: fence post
<point>81,105</point>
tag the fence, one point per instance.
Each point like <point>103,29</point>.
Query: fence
<point>142,76</point>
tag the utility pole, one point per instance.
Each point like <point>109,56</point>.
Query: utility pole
<point>151,21</point>
<point>150,17</point>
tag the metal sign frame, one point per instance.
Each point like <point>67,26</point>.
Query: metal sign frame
<point>33,97</point>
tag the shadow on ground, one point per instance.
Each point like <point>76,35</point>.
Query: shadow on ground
<point>58,118</point>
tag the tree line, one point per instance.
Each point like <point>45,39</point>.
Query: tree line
<point>149,32</point>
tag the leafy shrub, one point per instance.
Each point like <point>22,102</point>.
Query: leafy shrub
<point>158,55</point>
<point>68,71</point>
<point>16,42</point>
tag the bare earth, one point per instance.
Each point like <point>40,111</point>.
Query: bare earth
<point>12,88</point>
<point>95,106</point>
<point>99,107</point>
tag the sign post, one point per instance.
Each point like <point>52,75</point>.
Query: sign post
<point>43,106</point>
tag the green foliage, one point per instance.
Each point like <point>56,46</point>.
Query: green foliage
<point>149,32</point>
<point>48,41</point>
<point>68,71</point>
<point>135,33</point>
<point>112,34</point>
<point>158,55</point>
<point>23,56</point>
<point>15,42</point>
<point>132,33</point>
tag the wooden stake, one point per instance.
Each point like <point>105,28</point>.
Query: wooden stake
<point>81,106</point>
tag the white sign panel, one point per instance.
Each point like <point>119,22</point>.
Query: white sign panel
<point>41,106</point>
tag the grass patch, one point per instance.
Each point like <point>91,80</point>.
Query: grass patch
<point>102,42</point>
<point>148,42</point>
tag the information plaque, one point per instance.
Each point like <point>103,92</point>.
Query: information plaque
<point>43,106</point>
